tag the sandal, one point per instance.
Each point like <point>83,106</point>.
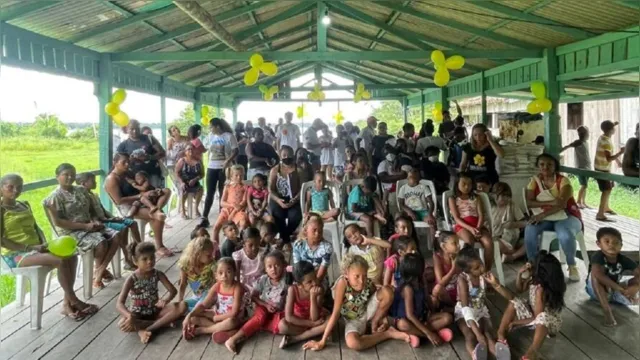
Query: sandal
<point>189,333</point>
<point>107,277</point>
<point>503,352</point>
<point>221,337</point>
<point>480,352</point>
<point>98,284</point>
<point>164,252</point>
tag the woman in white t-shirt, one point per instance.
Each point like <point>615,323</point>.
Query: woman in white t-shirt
<point>427,139</point>
<point>223,149</point>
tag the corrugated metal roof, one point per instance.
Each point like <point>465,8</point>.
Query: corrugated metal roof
<point>68,19</point>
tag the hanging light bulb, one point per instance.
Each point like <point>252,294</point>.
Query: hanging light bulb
<point>326,20</point>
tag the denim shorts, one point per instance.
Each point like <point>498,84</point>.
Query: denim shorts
<point>583,180</point>
<point>614,296</point>
<point>14,259</point>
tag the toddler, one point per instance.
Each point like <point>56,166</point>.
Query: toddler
<point>364,205</point>
<point>582,161</point>
<point>602,162</point>
<point>233,202</point>
<point>319,199</point>
<point>151,197</point>
<point>268,232</point>
<point>371,249</point>
<point>197,269</point>
<point>232,241</point>
<point>446,271</point>
<point>312,247</point>
<point>249,259</point>
<point>258,200</point>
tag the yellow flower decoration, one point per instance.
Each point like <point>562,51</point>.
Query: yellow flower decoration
<point>478,160</point>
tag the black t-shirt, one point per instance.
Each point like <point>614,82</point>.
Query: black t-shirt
<point>261,149</point>
<point>481,162</point>
<point>436,172</point>
<point>145,146</point>
<point>378,145</point>
<point>613,270</point>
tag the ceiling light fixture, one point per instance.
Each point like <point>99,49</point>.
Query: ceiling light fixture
<point>326,20</point>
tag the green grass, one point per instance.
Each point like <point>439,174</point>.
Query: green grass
<point>36,159</point>
<point>623,200</point>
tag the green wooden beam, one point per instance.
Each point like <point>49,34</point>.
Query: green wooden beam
<point>321,29</point>
<point>390,21</point>
<point>552,140</point>
<point>567,98</point>
<point>632,4</point>
<point>602,69</point>
<point>178,56</point>
<point>105,128</point>
<point>597,85</point>
<point>250,90</point>
<point>456,25</point>
<point>284,70</point>
<point>352,75</point>
<point>374,73</point>
<point>259,98</point>
<point>21,9</point>
<point>154,5</point>
<point>98,30</point>
<point>575,32</point>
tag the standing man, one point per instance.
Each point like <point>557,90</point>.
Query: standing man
<point>312,144</point>
<point>268,136</point>
<point>280,122</point>
<point>365,140</point>
<point>288,133</point>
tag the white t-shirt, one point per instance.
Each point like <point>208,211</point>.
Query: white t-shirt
<point>289,134</point>
<point>367,135</point>
<point>220,148</point>
<point>385,167</point>
<point>415,197</point>
<point>425,142</point>
<point>340,156</point>
<point>311,137</point>
<point>326,153</point>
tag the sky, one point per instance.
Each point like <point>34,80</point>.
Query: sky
<point>26,93</point>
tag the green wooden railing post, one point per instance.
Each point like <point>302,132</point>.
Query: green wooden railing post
<point>444,98</point>
<point>404,109</point>
<point>197,107</point>
<point>105,126</point>
<point>421,106</point>
<point>235,113</point>
<point>552,138</point>
<point>483,102</point>
<point>163,113</point>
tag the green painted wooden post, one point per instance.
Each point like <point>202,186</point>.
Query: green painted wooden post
<point>105,126</point>
<point>444,98</point>
<point>421,106</point>
<point>552,140</point>
<point>235,113</point>
<point>197,107</point>
<point>321,29</point>
<point>163,113</point>
<point>404,109</point>
<point>483,102</point>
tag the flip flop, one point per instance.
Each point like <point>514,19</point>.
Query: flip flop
<point>605,219</point>
<point>480,352</point>
<point>189,333</point>
<point>414,341</point>
<point>611,212</point>
<point>445,334</point>
<point>503,352</point>
<point>221,337</point>
<point>107,277</point>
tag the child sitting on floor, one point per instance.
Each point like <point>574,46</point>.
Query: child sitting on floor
<point>401,246</point>
<point>304,316</point>
<point>197,269</point>
<point>444,265</point>
<point>358,302</point>
<point>224,298</point>
<point>249,259</point>
<point>319,199</point>
<point>312,247</point>
<point>540,311</point>
<point>268,232</point>
<point>467,211</point>
<point>233,202</point>
<point>412,309</point>
<point>258,200</point>
<point>364,204</point>
<point>147,312</point>
<point>371,249</point>
<point>605,282</point>
<point>232,241</point>
<point>269,296</point>
<point>403,226</point>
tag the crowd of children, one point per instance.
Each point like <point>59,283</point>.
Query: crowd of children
<point>248,284</point>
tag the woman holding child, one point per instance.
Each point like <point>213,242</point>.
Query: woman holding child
<point>126,197</point>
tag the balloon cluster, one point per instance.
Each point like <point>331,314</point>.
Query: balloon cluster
<point>443,65</point>
<point>259,66</point>
<point>338,117</point>
<point>361,93</point>
<point>112,108</point>
<point>205,117</point>
<point>300,113</point>
<point>268,92</point>
<point>63,246</point>
<point>317,94</point>
<point>541,104</point>
<point>437,112</point>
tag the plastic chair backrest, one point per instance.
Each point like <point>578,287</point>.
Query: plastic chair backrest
<point>524,203</point>
<point>46,212</point>
<point>332,186</point>
<point>429,183</point>
<point>445,208</point>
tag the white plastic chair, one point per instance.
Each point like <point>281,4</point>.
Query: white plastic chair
<point>344,194</point>
<point>434,198</point>
<point>334,230</point>
<point>549,236</point>
<point>86,265</point>
<point>486,207</point>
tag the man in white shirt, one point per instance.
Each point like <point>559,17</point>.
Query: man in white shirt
<point>268,137</point>
<point>367,134</point>
<point>311,142</point>
<point>288,133</point>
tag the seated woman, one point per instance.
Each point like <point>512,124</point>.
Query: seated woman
<point>284,192</point>
<point>23,245</point>
<point>125,196</point>
<point>189,172</point>
<point>71,211</point>
<point>550,198</point>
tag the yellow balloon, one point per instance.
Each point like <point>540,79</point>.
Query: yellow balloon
<point>251,76</point>
<point>456,62</point>
<point>357,98</point>
<point>441,78</point>
<point>268,96</point>
<point>274,89</point>
<point>63,246</point>
<point>310,96</point>
<point>119,96</point>
<point>538,89</point>
<point>545,105</point>
<point>300,112</point>
<point>437,117</point>
<point>360,87</point>
<point>269,69</point>
<point>205,120</point>
<point>321,96</point>
<point>438,105</point>
<point>437,57</point>
<point>256,60</point>
<point>121,119</point>
<point>112,108</point>
<point>204,111</point>
<point>263,88</point>
<point>366,95</point>
<point>534,107</point>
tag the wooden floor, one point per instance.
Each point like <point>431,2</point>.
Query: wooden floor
<point>98,337</point>
<point>630,229</point>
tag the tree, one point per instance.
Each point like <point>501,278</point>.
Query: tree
<point>84,133</point>
<point>9,129</point>
<point>391,113</point>
<point>188,117</point>
<point>48,125</point>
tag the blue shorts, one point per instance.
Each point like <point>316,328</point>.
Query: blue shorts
<point>191,303</point>
<point>119,226</point>
<point>421,214</point>
<point>614,296</point>
<point>583,180</point>
<point>14,259</point>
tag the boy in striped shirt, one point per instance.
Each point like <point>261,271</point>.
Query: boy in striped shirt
<point>602,162</point>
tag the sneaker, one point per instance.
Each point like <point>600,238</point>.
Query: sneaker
<point>574,274</point>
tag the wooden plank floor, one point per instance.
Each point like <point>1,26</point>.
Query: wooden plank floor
<point>98,337</point>
<point>630,229</point>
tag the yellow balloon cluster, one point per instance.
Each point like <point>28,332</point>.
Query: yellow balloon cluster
<point>300,113</point>
<point>205,117</point>
<point>443,65</point>
<point>112,108</point>
<point>541,104</point>
<point>259,66</point>
<point>317,94</point>
<point>268,92</point>
<point>338,117</point>
<point>361,93</point>
<point>437,112</point>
